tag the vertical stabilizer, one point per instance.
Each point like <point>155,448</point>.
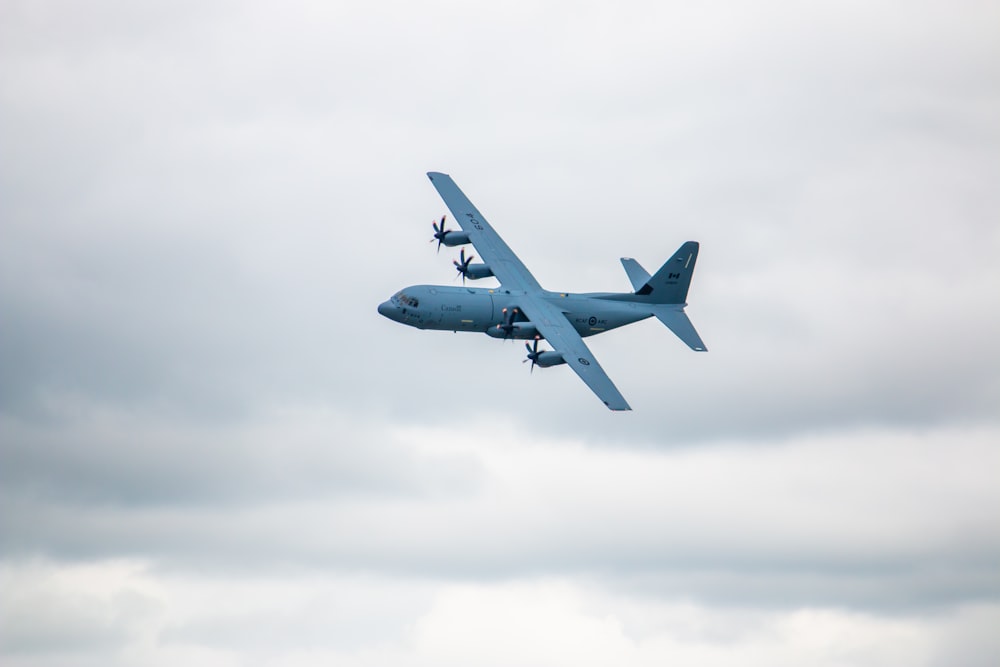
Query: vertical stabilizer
<point>670,284</point>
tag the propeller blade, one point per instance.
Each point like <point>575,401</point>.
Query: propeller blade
<point>507,322</point>
<point>439,232</point>
<point>462,264</point>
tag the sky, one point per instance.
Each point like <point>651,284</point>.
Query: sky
<point>214,451</point>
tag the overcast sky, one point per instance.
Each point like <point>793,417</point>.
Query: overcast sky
<point>215,451</point>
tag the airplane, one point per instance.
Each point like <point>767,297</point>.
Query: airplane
<point>521,309</point>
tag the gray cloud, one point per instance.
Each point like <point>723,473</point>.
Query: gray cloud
<point>130,461</point>
<point>872,520</point>
<point>202,204</point>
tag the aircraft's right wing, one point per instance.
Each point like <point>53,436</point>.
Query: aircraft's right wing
<point>556,329</point>
<point>507,268</point>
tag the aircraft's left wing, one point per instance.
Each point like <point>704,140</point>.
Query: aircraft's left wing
<point>556,329</point>
<point>507,268</point>
<point>513,274</point>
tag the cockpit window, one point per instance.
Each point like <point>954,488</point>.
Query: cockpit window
<point>407,300</point>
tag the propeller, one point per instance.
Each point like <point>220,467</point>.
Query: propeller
<point>507,327</point>
<point>462,264</point>
<point>439,232</point>
<point>532,354</point>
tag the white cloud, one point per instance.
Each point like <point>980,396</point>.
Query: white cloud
<point>360,619</point>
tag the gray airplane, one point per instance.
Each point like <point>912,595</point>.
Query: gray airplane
<point>520,309</point>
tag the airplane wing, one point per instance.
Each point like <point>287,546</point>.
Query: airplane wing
<point>556,329</point>
<point>507,268</point>
<point>513,274</point>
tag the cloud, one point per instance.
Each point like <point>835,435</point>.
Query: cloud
<point>358,620</point>
<point>207,433</point>
<point>867,519</point>
<point>101,458</point>
<point>73,611</point>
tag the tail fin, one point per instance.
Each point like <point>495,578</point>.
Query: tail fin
<point>677,321</point>
<point>670,284</point>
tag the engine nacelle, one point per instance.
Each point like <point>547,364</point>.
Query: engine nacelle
<point>452,239</point>
<point>477,271</point>
<point>520,331</point>
<point>525,330</point>
<point>550,358</point>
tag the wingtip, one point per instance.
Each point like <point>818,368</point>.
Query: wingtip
<point>432,174</point>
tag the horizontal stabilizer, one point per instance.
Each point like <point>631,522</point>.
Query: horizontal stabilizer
<point>678,322</point>
<point>637,275</point>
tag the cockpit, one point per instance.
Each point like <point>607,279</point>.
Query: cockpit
<point>402,299</point>
<point>401,307</point>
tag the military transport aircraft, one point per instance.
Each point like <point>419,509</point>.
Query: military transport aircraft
<point>520,309</point>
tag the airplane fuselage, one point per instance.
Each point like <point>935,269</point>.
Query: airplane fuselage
<point>478,309</point>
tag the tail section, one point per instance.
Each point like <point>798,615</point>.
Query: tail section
<point>670,284</point>
<point>666,291</point>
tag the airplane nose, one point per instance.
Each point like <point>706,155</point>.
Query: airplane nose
<point>385,309</point>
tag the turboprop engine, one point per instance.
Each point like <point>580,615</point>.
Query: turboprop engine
<point>518,331</point>
<point>544,359</point>
<point>510,328</point>
<point>471,271</point>
<point>448,237</point>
